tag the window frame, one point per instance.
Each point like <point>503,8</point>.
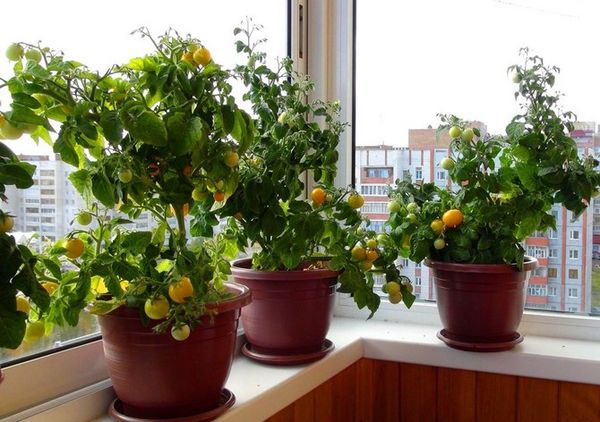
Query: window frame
<point>343,28</point>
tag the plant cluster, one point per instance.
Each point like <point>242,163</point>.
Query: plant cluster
<point>503,186</point>
<point>295,138</point>
<point>145,136</point>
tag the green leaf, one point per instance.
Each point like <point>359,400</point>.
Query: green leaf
<point>103,307</point>
<point>23,114</point>
<point>147,127</point>
<point>12,329</point>
<point>136,242</point>
<point>82,182</point>
<point>103,189</point>
<point>25,100</point>
<point>111,126</point>
<point>17,174</point>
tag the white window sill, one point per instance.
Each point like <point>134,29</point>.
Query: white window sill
<point>262,391</point>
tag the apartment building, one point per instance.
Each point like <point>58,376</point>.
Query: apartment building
<point>562,281</point>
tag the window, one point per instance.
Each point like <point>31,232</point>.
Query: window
<point>540,271</point>
<point>375,207</point>
<point>417,281</point>
<point>537,290</point>
<point>552,291</point>
<point>379,172</point>
<point>32,201</point>
<point>405,262</point>
<point>47,191</point>
<point>100,48</point>
<point>419,92</point>
<point>48,201</point>
<point>374,190</point>
<point>441,175</point>
<point>418,173</point>
<point>573,292</point>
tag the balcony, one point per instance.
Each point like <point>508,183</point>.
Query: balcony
<point>537,300</point>
<point>538,279</point>
<point>537,241</point>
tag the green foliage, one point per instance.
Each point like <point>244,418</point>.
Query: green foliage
<point>143,136</point>
<point>293,138</point>
<point>504,185</point>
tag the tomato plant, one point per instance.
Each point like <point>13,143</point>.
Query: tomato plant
<point>503,186</point>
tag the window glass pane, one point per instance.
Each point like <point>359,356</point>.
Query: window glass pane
<point>101,39</point>
<point>448,57</point>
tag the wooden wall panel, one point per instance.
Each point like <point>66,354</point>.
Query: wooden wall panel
<point>578,402</point>
<point>379,391</point>
<point>456,395</point>
<point>537,400</point>
<point>418,393</point>
<point>496,397</point>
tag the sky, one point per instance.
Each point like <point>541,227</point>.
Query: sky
<point>422,57</point>
<point>414,58</point>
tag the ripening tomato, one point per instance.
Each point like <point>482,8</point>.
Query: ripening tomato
<point>453,218</point>
<point>356,200</point>
<point>157,308</point>
<point>318,195</point>
<point>74,248</point>
<point>180,290</point>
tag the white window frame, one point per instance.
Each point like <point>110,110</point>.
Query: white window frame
<point>574,254</point>
<point>340,25</point>
<point>574,234</point>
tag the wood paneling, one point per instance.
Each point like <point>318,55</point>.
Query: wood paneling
<point>496,397</point>
<point>456,396</point>
<point>578,402</point>
<point>418,391</point>
<point>537,400</point>
<point>380,391</point>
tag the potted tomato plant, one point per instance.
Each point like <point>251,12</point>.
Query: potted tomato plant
<point>471,234</point>
<point>143,135</point>
<point>302,248</point>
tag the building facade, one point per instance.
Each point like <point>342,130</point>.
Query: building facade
<point>563,279</point>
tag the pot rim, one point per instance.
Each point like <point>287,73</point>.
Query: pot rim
<point>529,264</point>
<point>242,267</point>
<point>243,297</point>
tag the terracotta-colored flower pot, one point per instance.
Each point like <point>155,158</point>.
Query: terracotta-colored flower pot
<point>159,377</point>
<point>480,305</point>
<point>290,311</point>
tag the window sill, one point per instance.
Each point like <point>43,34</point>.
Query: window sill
<point>262,391</point>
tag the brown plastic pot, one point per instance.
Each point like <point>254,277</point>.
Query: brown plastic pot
<point>291,311</point>
<point>159,377</point>
<point>480,305</point>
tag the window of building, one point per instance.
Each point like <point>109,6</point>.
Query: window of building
<point>574,235</point>
<point>32,201</point>
<point>552,253</point>
<point>552,234</point>
<point>573,273</point>
<point>418,173</point>
<point>418,281</point>
<point>540,272</point>
<point>48,201</point>
<point>537,290</point>
<point>47,173</point>
<point>441,175</point>
<point>552,291</point>
<point>573,292</point>
<point>374,190</point>
<point>375,207</point>
<point>552,272</point>
<point>47,182</point>
<point>573,253</point>
<point>405,262</point>
<point>48,211</point>
<point>378,172</point>
<point>47,191</point>
<point>29,210</point>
